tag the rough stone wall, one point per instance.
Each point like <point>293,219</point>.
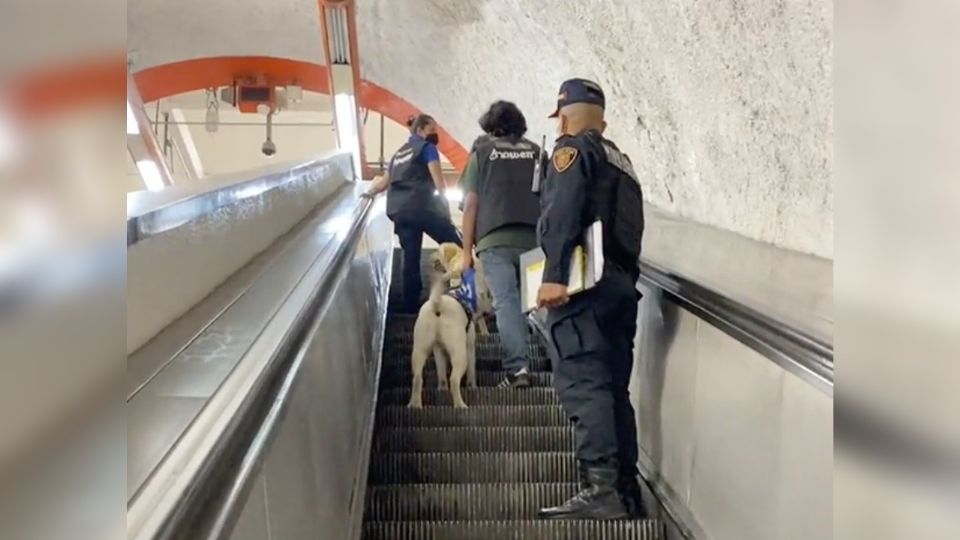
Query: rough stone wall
<point>725,106</point>
<point>164,31</point>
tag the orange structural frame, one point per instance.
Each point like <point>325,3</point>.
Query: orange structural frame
<point>176,78</point>
<point>50,91</point>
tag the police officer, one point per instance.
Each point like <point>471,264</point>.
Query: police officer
<point>416,202</point>
<point>499,219</point>
<point>589,179</point>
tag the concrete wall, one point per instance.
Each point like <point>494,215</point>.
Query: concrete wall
<point>725,106</point>
<point>164,31</point>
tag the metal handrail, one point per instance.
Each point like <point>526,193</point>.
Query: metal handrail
<point>152,213</point>
<point>790,347</point>
<point>210,505</point>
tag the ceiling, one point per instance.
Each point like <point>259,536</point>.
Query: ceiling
<point>725,107</point>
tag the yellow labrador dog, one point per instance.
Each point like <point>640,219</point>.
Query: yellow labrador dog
<point>448,263</point>
<point>447,329</point>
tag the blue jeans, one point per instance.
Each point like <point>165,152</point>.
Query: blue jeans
<point>411,229</point>
<point>501,267</point>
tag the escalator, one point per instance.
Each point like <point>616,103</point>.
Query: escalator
<point>440,473</point>
<point>275,406</point>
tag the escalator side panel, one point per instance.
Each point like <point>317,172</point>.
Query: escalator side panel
<point>308,481</point>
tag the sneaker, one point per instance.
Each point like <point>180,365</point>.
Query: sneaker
<point>597,500</point>
<point>520,379</point>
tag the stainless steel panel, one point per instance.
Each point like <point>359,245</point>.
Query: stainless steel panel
<point>152,427</point>
<point>146,362</point>
<point>201,367</point>
<point>315,471</point>
<point>737,437</point>
<point>312,469</point>
<point>253,524</point>
<point>193,260</point>
<point>806,463</point>
<point>151,213</point>
<point>665,373</point>
<point>738,447</point>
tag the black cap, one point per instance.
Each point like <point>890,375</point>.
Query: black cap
<point>579,91</point>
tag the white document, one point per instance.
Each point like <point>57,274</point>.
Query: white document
<point>586,268</point>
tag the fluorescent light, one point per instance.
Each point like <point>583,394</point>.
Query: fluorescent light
<point>454,194</point>
<point>347,133</point>
<point>132,127</point>
<point>150,174</point>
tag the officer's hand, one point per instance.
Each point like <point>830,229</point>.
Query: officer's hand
<point>552,295</point>
<point>467,260</point>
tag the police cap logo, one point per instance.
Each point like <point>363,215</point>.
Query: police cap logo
<point>564,157</point>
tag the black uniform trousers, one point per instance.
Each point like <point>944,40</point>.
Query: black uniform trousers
<point>411,228</point>
<point>592,360</point>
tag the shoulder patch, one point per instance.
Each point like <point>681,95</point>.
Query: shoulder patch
<point>564,157</point>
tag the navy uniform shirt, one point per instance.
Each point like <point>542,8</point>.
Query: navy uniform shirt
<point>564,201</point>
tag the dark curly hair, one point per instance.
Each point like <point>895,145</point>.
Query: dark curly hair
<point>503,119</point>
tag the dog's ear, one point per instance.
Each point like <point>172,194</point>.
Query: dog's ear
<point>448,251</point>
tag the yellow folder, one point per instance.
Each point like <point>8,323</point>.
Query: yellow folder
<point>586,268</point>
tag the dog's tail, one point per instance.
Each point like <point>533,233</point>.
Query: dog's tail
<point>438,288</point>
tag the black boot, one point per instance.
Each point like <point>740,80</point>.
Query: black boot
<point>599,500</point>
<point>632,496</point>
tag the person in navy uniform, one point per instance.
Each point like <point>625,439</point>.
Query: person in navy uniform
<point>416,202</point>
<point>588,180</point>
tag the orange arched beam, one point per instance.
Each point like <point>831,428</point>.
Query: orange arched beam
<point>43,93</point>
<point>396,108</point>
<point>167,80</point>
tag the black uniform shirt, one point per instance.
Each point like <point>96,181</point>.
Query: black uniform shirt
<point>564,201</point>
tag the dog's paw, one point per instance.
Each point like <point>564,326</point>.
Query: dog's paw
<point>460,405</point>
<point>415,404</point>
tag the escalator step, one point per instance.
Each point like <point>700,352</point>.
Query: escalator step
<point>539,415</point>
<point>399,377</point>
<point>486,361</point>
<point>491,344</point>
<point>476,439</point>
<point>473,468</point>
<point>475,396</point>
<point>481,473</point>
<point>515,530</point>
<point>470,502</point>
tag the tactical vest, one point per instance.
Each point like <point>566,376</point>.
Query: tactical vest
<point>411,186</point>
<point>505,184</point>
<point>617,201</point>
